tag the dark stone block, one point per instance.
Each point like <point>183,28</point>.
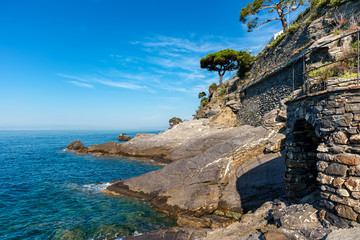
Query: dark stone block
<point>336,221</point>
<point>336,169</point>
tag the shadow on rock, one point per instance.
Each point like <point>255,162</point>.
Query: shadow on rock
<point>261,182</point>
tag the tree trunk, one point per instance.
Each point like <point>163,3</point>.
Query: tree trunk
<point>221,72</point>
<point>282,18</point>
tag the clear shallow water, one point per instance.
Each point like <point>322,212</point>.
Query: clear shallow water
<point>46,193</point>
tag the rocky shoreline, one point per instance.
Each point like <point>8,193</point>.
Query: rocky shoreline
<point>219,183</point>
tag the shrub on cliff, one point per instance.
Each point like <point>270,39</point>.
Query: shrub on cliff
<point>201,95</point>
<point>212,88</point>
<point>203,102</point>
<point>174,121</point>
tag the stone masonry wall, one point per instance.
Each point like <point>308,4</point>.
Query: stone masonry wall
<point>253,103</point>
<point>323,147</point>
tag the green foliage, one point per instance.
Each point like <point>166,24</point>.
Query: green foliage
<point>227,60</point>
<point>320,3</point>
<point>276,41</point>
<point>203,102</point>
<point>293,28</point>
<point>311,18</point>
<point>245,60</point>
<point>174,121</point>
<point>301,15</point>
<point>337,32</point>
<point>334,3</point>
<point>222,60</point>
<point>222,91</point>
<point>354,46</point>
<point>201,95</point>
<point>213,87</point>
<point>339,69</point>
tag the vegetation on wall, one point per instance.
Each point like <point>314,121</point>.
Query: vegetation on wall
<point>343,69</point>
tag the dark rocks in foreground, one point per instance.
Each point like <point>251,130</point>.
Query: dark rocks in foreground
<point>273,220</point>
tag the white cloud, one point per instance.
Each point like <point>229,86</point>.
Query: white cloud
<point>120,84</point>
<point>86,79</point>
<point>81,84</point>
<point>170,63</point>
<point>72,77</point>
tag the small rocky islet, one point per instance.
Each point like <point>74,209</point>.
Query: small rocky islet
<point>224,171</point>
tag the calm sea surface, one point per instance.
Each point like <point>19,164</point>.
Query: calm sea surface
<point>46,193</point>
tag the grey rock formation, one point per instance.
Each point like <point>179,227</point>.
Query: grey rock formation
<point>185,140</point>
<point>209,181</point>
<point>348,234</point>
<point>296,216</point>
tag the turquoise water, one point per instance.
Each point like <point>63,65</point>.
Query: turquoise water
<point>47,193</point>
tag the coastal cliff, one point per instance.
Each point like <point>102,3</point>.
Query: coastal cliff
<point>226,167</point>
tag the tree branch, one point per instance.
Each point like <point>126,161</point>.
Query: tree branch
<point>268,20</point>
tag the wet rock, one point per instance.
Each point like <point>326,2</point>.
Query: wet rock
<point>171,234</point>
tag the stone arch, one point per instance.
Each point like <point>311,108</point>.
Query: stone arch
<point>301,159</point>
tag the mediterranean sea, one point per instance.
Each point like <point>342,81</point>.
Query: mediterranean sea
<point>48,193</point>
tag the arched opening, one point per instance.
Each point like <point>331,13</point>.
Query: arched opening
<point>301,160</point>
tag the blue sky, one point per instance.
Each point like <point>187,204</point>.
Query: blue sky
<point>112,64</point>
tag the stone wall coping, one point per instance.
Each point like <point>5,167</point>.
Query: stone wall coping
<point>319,93</point>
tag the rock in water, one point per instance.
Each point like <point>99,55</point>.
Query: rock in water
<point>77,146</point>
<point>123,137</point>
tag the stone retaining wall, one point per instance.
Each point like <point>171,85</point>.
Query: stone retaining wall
<point>252,103</point>
<point>323,147</point>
